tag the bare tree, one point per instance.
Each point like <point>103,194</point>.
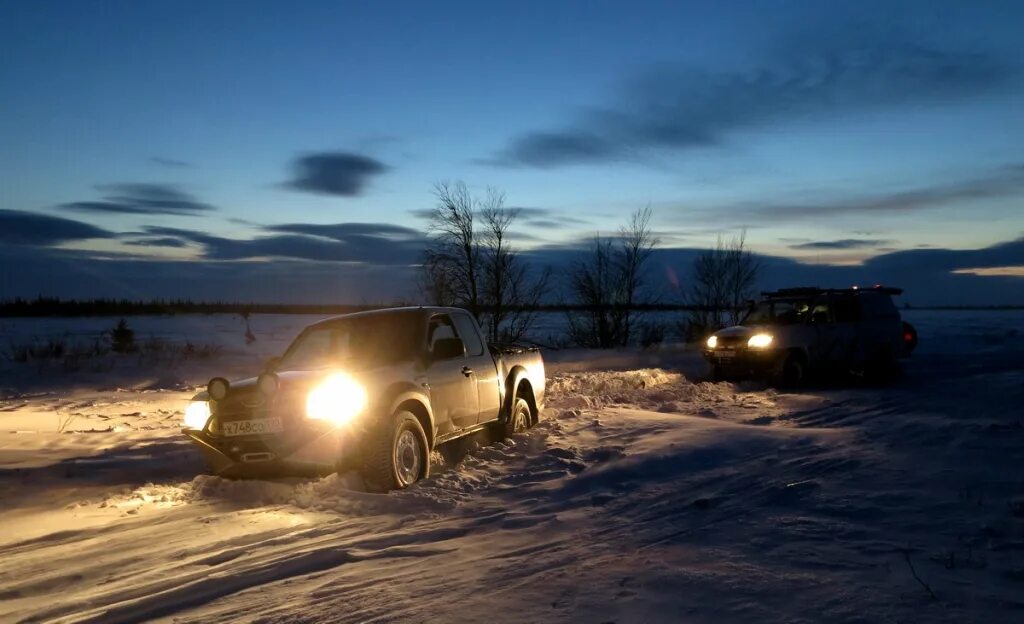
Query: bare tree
<point>637,245</point>
<point>452,262</point>
<point>510,291</point>
<point>724,279</point>
<point>592,287</point>
<point>478,268</point>
<point>608,283</point>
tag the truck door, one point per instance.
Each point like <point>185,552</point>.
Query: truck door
<point>453,393</point>
<point>484,372</point>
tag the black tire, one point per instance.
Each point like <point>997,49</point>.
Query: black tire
<point>521,419</point>
<point>791,371</point>
<point>881,367</point>
<point>396,454</point>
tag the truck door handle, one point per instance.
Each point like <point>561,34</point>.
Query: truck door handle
<point>467,371</point>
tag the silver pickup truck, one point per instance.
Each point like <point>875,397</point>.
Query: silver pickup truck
<point>375,391</point>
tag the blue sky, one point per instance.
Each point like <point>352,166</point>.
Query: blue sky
<point>834,133</point>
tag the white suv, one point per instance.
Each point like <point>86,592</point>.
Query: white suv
<point>794,332</point>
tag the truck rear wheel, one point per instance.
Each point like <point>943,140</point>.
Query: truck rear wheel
<point>396,455</point>
<point>518,421</point>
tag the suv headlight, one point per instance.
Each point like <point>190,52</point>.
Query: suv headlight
<point>759,341</point>
<point>196,414</point>
<point>337,399</point>
<point>712,342</point>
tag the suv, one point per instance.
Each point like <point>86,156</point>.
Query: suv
<point>792,332</point>
<point>376,391</point>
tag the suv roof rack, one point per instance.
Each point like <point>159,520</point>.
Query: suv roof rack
<point>814,290</point>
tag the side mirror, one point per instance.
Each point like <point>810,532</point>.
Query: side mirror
<point>448,348</point>
<point>272,364</point>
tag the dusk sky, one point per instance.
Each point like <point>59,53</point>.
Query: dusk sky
<point>283,151</point>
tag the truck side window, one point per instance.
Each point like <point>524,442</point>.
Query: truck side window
<point>440,327</point>
<point>469,334</point>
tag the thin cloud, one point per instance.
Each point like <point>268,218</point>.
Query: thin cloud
<point>842,244</point>
<point>170,162</point>
<point>29,228</point>
<point>364,243</point>
<point>346,231</point>
<point>340,174</point>
<point>679,108</point>
<point>1001,182</point>
<point>157,242</point>
<point>143,199</point>
<point>545,218</point>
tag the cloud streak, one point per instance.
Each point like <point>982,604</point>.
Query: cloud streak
<point>29,228</point>
<point>141,199</point>
<point>378,244</point>
<point>545,218</point>
<point>1001,182</point>
<point>842,244</point>
<point>340,174</point>
<point>173,163</point>
<point>679,108</point>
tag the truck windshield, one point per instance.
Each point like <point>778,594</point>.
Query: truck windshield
<point>778,312</point>
<point>360,341</point>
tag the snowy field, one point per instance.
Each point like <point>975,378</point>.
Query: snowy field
<point>646,494</point>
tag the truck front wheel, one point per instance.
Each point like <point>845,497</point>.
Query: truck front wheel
<point>396,456</point>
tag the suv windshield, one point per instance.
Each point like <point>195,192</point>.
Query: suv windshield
<point>362,341</point>
<point>778,312</point>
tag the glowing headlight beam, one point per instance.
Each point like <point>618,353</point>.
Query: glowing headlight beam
<point>337,399</point>
<point>759,341</point>
<point>196,414</point>
<point>712,342</point>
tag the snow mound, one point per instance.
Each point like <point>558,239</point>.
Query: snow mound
<point>652,389</point>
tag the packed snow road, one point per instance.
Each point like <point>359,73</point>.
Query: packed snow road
<point>643,495</point>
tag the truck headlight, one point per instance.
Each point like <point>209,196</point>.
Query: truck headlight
<point>196,414</point>
<point>760,341</point>
<point>337,399</point>
<point>712,342</point>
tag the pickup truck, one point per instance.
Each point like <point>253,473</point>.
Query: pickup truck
<point>794,333</point>
<point>375,391</point>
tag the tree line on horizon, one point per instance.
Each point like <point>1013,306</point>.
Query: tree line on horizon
<point>471,262</point>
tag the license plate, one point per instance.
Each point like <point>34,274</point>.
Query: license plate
<point>725,354</point>
<point>252,427</point>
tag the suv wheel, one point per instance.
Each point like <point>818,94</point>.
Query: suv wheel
<point>396,456</point>
<point>518,421</point>
<point>881,367</point>
<point>792,372</point>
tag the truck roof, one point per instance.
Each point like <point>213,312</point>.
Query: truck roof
<point>813,291</point>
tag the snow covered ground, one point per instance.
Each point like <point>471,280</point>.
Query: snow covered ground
<point>644,495</point>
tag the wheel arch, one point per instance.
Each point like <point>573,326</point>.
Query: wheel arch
<point>406,397</point>
<point>518,384</point>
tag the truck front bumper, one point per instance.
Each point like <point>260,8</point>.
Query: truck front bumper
<point>311,451</point>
